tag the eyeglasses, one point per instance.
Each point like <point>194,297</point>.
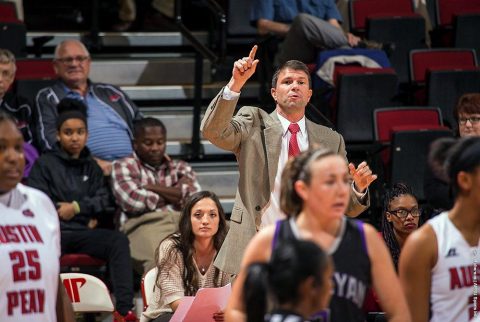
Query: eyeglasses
<point>403,213</point>
<point>71,59</point>
<point>472,119</point>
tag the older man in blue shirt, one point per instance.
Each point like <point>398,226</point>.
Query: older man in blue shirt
<point>306,25</point>
<point>110,112</point>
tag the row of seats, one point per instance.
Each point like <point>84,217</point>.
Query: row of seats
<point>439,78</point>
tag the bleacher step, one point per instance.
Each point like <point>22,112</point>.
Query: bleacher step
<point>154,71</point>
<point>182,92</point>
<point>122,39</point>
<point>219,177</point>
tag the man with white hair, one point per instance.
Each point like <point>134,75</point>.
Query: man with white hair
<point>110,112</point>
<point>11,103</point>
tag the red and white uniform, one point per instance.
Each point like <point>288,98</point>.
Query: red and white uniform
<point>29,256</point>
<point>452,293</point>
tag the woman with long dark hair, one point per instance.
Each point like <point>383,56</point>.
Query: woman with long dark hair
<point>297,280</point>
<point>185,259</point>
<point>439,264</point>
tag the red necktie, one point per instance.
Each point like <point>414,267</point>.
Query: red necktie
<point>293,149</point>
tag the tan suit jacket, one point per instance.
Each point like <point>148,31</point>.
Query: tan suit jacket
<point>255,137</point>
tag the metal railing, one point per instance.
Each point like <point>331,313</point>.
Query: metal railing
<point>202,52</point>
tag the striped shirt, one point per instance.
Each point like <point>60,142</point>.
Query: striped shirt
<point>130,175</point>
<point>171,283</point>
<point>109,137</point>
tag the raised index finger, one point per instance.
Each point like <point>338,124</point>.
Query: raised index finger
<point>253,52</point>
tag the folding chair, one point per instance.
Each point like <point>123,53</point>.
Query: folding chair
<point>359,94</point>
<point>88,294</point>
<point>409,152</point>
<point>444,88</point>
<point>147,286</point>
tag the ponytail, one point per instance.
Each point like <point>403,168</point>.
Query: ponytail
<point>278,280</point>
<point>255,291</point>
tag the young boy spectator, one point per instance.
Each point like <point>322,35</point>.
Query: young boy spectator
<point>75,183</point>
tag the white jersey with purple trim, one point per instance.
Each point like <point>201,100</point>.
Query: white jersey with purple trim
<point>452,294</point>
<point>29,256</point>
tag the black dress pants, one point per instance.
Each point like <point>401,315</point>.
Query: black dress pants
<point>112,247</point>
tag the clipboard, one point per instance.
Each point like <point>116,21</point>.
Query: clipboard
<point>202,306</point>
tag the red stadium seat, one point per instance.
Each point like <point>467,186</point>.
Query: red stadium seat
<point>423,60</point>
<point>34,69</point>
<point>8,12</point>
<point>446,58</point>
<point>448,9</point>
<point>388,120</point>
<point>360,10</point>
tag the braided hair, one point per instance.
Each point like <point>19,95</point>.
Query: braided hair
<point>397,190</point>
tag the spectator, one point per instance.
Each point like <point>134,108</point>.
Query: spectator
<point>17,107</point>
<point>110,113</point>
<point>151,189</point>
<point>400,218</point>
<point>439,262</point>
<point>75,183</point>
<point>10,103</point>
<point>253,132</point>
<point>298,279</point>
<point>436,188</point>
<point>305,27</point>
<point>185,259</point>
<point>315,193</point>
<point>29,241</point>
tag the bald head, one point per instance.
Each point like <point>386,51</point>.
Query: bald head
<point>72,64</point>
<point>68,43</point>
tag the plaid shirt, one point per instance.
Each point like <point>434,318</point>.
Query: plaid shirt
<point>130,175</point>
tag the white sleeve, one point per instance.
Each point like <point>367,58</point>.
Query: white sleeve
<point>229,95</point>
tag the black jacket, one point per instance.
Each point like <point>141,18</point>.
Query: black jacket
<point>20,109</point>
<point>65,179</point>
<point>48,98</point>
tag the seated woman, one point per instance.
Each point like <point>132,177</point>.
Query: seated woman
<point>185,260</point>
<point>436,187</point>
<point>400,218</point>
<point>74,182</point>
<point>298,279</point>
